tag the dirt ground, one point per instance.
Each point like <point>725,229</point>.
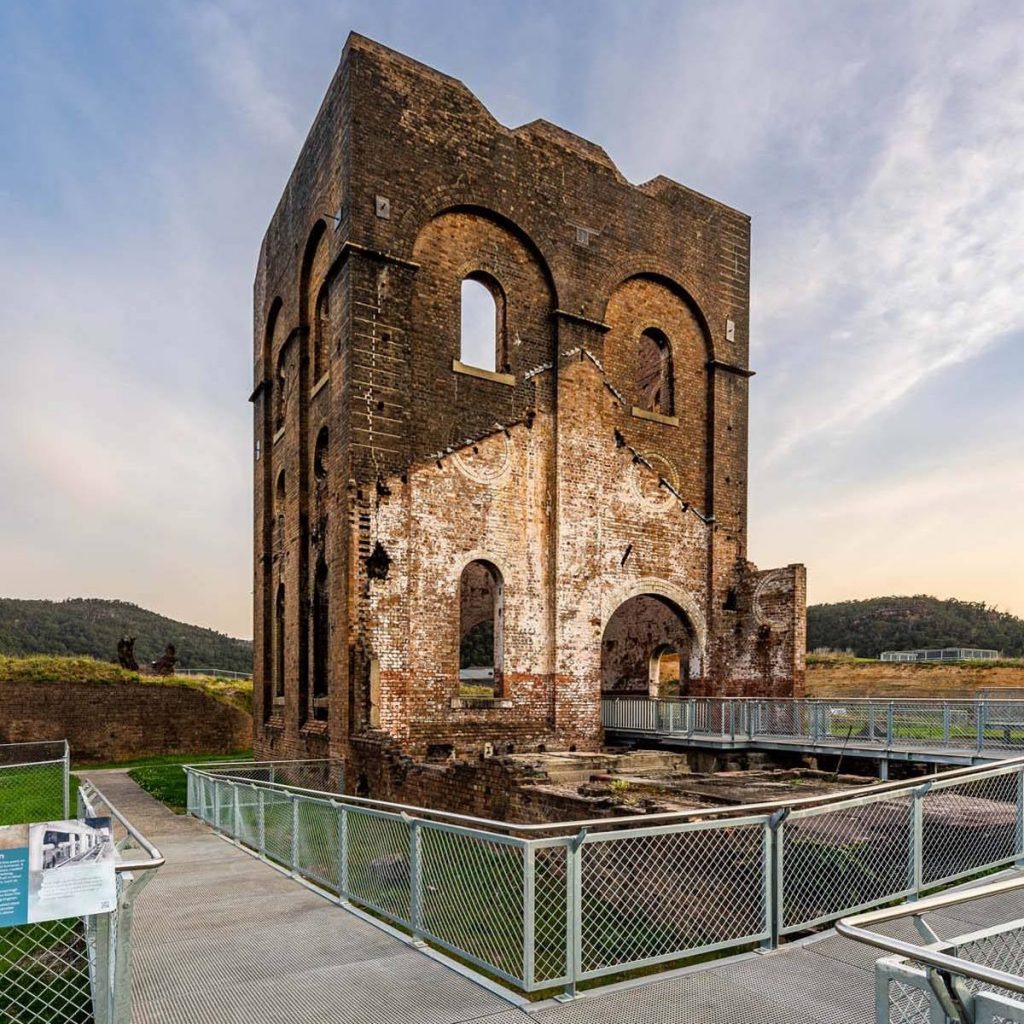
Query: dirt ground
<point>888,679</point>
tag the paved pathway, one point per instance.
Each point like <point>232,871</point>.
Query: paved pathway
<point>221,938</point>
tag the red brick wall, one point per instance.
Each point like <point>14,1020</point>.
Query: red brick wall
<point>121,721</point>
<point>548,472</point>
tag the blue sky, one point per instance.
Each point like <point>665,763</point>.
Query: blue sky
<point>876,145</point>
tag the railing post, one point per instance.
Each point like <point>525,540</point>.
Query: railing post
<point>691,714</point>
<point>415,878</point>
<point>1020,817</point>
<point>343,852</point>
<point>946,724</point>
<point>529,909</point>
<point>236,815</point>
<point>979,716</point>
<point>216,805</point>
<point>67,780</point>
<point>295,835</point>
<point>917,838</point>
<point>871,721</point>
<point>574,911</point>
<point>773,877</point>
<point>261,823</point>
<point>102,969</point>
<point>890,724</point>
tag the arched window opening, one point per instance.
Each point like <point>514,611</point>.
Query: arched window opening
<point>482,324</point>
<point>280,383</point>
<point>666,668</point>
<point>481,615</point>
<point>320,454</point>
<point>280,491</point>
<point>321,331</point>
<point>321,641</point>
<point>654,373</point>
<point>279,645</point>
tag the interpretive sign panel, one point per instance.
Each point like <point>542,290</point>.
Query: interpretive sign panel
<point>55,869</point>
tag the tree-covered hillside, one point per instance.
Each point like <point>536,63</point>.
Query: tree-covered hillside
<point>92,626</point>
<point>903,623</point>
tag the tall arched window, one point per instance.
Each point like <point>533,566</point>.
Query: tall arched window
<point>321,331</point>
<point>279,644</point>
<point>482,324</point>
<point>321,640</point>
<point>280,381</point>
<point>654,377</point>
<point>481,617</point>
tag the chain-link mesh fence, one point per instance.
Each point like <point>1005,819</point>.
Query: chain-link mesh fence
<point>34,780</point>
<point>548,909</point>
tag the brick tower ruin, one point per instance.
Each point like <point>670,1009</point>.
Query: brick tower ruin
<point>500,437</point>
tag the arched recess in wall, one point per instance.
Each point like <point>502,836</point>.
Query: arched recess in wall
<point>481,629</point>
<point>649,647</point>
<point>279,650</point>
<point>315,299</point>
<point>470,242</point>
<point>321,640</point>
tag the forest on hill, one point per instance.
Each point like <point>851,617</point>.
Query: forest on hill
<point>93,626</point>
<point>902,623</point>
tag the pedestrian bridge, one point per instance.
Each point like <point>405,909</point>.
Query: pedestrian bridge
<point>950,732</point>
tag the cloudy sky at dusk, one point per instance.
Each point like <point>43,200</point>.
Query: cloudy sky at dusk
<point>876,145</point>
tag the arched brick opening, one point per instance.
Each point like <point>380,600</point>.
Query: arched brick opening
<point>649,648</point>
<point>481,619</point>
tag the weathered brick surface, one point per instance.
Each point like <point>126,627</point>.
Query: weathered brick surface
<point>405,186</point>
<point>121,721</point>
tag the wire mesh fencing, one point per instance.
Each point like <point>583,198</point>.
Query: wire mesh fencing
<point>541,909</point>
<point>958,726</point>
<point>34,780</point>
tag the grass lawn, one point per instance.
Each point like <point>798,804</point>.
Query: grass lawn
<point>31,793</point>
<point>165,779</point>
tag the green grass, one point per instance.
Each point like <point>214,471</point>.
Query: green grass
<point>168,759</point>
<point>45,668</point>
<point>31,793</point>
<point>164,778</point>
<point>44,973</point>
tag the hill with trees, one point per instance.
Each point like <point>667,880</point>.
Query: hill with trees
<point>903,623</point>
<point>92,626</point>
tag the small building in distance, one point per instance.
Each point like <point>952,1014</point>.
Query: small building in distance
<point>940,654</point>
<point>500,452</point>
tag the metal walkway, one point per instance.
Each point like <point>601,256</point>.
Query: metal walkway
<point>222,938</point>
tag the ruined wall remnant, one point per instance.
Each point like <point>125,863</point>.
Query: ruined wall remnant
<point>572,499</point>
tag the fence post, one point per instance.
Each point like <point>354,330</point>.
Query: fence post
<point>946,723</point>
<point>295,836</point>
<point>979,717</point>
<point>773,877</point>
<point>529,912</point>
<point>574,911</point>
<point>216,806</point>
<point>917,838</point>
<point>261,823</point>
<point>236,815</point>
<point>102,969</point>
<point>415,878</point>
<point>890,724</point>
<point>342,852</point>
<point>871,721</point>
<point>67,780</point>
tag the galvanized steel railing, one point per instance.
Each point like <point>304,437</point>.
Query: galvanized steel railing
<point>958,726</point>
<point>977,978</point>
<point>542,906</point>
<point>76,970</point>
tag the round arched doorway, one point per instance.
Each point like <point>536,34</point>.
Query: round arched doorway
<point>647,649</point>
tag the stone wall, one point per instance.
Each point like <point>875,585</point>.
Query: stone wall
<point>119,721</point>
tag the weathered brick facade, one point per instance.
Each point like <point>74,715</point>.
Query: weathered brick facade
<point>603,458</point>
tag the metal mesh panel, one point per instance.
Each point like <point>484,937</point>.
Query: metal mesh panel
<point>836,860</point>
<point>379,862</point>
<point>249,816</point>
<point>31,792</point>
<point>664,893</point>
<point>225,807</point>
<point>551,890</point>
<point>969,826</point>
<point>318,841</point>
<point>277,826</point>
<point>472,895</point>
<point>909,1004</point>
<point>44,974</point>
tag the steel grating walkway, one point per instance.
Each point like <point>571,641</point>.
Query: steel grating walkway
<point>222,938</point>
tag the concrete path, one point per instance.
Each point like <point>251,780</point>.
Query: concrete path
<point>221,938</point>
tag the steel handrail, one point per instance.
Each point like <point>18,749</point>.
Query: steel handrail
<point>857,928</point>
<point>819,700</point>
<point>155,859</point>
<point>737,810</point>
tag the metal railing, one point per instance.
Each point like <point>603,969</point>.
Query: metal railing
<point>76,970</point>
<point>215,673</point>
<point>34,781</point>
<point>977,978</point>
<point>547,905</point>
<point>957,726</point>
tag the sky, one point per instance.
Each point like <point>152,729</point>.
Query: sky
<point>877,147</point>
